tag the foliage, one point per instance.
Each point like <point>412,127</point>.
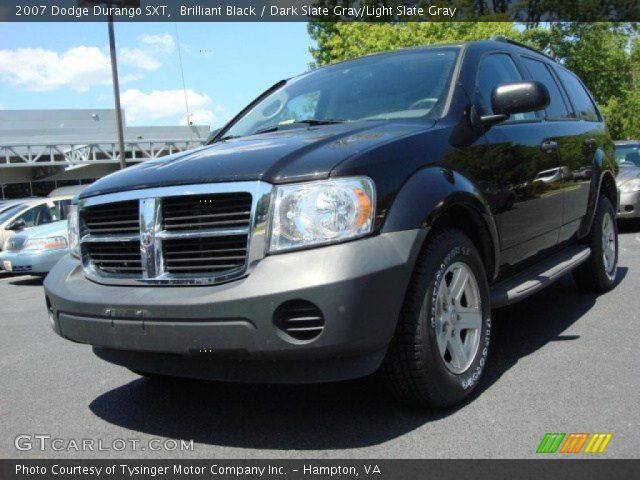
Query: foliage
<point>341,41</point>
<point>605,55</point>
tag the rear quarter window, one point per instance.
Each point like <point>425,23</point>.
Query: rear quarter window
<point>585,108</point>
<point>540,72</point>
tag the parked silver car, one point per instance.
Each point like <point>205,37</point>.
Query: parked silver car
<point>36,250</point>
<point>18,215</point>
<point>628,180</point>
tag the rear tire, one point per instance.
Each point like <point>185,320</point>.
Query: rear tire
<point>598,273</point>
<point>441,343</point>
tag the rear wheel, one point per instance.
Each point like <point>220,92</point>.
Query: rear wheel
<point>440,347</point>
<point>598,273</point>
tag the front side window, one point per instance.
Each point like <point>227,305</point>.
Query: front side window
<point>585,108</point>
<point>628,155</point>
<point>404,85</point>
<point>38,215</point>
<point>9,212</point>
<point>29,217</point>
<point>539,71</point>
<point>495,70</point>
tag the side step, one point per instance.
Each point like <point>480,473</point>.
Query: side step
<point>538,276</point>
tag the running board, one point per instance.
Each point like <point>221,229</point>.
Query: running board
<point>538,276</point>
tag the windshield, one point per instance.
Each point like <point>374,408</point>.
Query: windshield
<point>8,212</point>
<point>628,155</point>
<point>404,85</point>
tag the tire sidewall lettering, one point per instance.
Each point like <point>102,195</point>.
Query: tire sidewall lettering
<point>471,376</point>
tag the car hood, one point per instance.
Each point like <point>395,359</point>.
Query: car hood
<point>627,173</point>
<point>280,157</point>
<point>53,229</point>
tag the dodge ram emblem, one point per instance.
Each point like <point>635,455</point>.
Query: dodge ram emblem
<point>146,239</point>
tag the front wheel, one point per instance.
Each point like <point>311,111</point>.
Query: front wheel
<point>598,273</point>
<point>441,343</point>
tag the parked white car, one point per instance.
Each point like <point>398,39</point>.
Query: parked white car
<point>36,250</point>
<point>19,215</point>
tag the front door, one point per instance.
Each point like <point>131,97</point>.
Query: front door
<point>526,169</point>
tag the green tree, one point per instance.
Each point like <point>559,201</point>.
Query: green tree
<point>598,52</point>
<point>344,40</point>
<point>605,55</point>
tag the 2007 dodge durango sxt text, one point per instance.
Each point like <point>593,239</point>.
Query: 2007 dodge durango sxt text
<point>367,215</point>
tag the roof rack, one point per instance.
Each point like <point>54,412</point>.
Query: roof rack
<point>500,38</point>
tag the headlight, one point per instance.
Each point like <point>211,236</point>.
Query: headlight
<point>318,213</point>
<point>73,229</point>
<point>632,185</point>
<point>50,243</point>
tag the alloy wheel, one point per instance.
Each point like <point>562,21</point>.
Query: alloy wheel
<point>458,318</point>
<point>609,245</point>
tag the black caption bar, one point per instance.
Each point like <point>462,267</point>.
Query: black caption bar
<point>317,10</point>
<point>316,469</point>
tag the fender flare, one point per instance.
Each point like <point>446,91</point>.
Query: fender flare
<point>431,192</point>
<point>601,172</point>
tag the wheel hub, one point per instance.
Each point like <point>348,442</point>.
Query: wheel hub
<point>459,318</point>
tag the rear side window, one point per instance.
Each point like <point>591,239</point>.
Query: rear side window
<point>585,108</point>
<point>497,69</point>
<point>539,71</point>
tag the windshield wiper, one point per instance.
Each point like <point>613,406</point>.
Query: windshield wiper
<point>272,128</point>
<point>275,128</point>
<point>310,121</point>
<point>314,121</point>
<point>227,137</point>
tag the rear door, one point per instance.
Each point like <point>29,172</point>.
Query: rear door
<point>586,135</point>
<point>561,119</point>
<point>520,148</point>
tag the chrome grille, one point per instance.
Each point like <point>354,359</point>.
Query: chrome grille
<point>196,234</point>
<point>111,219</point>
<point>205,254</point>
<point>116,257</point>
<point>203,212</point>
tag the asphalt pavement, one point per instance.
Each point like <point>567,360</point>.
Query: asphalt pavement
<point>561,361</point>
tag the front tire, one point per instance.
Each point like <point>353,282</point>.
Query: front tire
<point>441,343</point>
<point>598,273</point>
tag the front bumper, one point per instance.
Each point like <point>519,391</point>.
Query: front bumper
<point>227,331</point>
<point>629,205</point>
<point>32,261</point>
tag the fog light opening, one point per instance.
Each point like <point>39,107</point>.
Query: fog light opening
<point>300,320</point>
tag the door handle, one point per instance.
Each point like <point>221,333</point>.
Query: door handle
<point>549,146</point>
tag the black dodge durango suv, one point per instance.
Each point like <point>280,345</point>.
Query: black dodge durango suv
<point>360,217</point>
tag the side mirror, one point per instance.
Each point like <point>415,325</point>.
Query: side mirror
<point>15,225</point>
<point>518,97</point>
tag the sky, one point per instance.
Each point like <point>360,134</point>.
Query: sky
<point>226,65</point>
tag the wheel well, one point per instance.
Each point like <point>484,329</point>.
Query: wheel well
<point>608,188</point>
<point>473,226</point>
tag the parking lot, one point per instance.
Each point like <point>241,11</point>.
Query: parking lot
<point>561,361</point>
